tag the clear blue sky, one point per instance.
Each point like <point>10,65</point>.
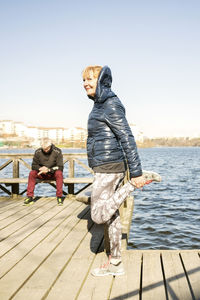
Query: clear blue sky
<point>152,48</point>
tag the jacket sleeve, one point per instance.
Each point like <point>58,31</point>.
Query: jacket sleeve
<point>59,161</point>
<point>36,162</point>
<point>116,120</point>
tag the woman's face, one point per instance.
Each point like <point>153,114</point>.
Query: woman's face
<point>90,84</point>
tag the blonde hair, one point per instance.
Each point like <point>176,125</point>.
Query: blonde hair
<point>95,69</point>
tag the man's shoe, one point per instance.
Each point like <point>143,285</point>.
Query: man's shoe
<point>109,269</point>
<point>60,201</point>
<point>150,176</point>
<point>28,201</point>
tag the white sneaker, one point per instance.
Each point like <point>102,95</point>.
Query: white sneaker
<point>151,176</point>
<point>109,269</point>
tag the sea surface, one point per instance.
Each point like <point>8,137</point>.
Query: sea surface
<point>167,214</point>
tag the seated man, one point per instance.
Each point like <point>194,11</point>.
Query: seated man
<point>47,165</point>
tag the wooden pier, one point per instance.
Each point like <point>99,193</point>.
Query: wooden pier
<point>48,251</point>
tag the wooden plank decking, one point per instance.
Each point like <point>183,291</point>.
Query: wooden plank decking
<point>48,251</point>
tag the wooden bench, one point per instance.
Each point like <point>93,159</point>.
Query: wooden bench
<point>68,181</point>
<point>9,181</point>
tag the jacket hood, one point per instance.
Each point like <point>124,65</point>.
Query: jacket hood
<point>103,89</point>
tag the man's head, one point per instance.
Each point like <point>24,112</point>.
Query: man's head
<point>90,77</point>
<point>46,145</point>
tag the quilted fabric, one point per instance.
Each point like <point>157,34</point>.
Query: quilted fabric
<point>110,138</point>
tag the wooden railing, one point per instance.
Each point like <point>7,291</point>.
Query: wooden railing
<point>18,159</point>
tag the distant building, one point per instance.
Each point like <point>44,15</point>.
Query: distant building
<point>7,127</point>
<point>20,129</point>
<point>42,133</point>
<point>33,132</point>
<point>56,134</point>
<point>75,133</point>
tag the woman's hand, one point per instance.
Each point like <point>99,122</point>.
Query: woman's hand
<point>138,182</point>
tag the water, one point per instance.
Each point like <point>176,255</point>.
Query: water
<point>166,215</point>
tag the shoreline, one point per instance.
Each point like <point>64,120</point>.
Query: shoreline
<point>138,145</point>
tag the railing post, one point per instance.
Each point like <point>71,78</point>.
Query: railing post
<point>71,174</point>
<point>15,186</point>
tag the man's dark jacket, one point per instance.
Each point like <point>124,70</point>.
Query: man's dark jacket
<point>110,139</point>
<point>52,159</point>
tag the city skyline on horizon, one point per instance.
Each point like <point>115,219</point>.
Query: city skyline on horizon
<point>131,124</point>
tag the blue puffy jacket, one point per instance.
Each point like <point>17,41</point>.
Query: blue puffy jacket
<point>110,139</point>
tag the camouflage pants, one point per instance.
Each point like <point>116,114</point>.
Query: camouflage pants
<point>107,196</point>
